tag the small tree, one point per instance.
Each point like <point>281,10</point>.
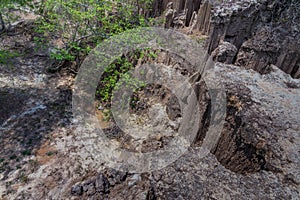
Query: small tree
<point>5,6</point>
<point>83,23</point>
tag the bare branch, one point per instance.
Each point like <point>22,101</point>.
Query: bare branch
<point>2,23</point>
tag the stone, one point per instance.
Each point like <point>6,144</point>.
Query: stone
<point>183,13</point>
<point>134,179</point>
<point>256,154</point>
<point>253,142</point>
<point>102,184</point>
<point>190,7</point>
<point>173,108</point>
<point>169,16</point>
<point>203,18</point>
<point>89,187</point>
<point>77,190</point>
<point>179,20</point>
<point>193,23</point>
<point>115,177</point>
<point>224,53</point>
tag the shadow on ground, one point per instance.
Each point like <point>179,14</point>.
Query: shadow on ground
<point>25,129</point>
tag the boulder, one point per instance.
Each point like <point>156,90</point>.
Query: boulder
<point>225,53</point>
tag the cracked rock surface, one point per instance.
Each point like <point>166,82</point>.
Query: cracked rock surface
<point>256,157</point>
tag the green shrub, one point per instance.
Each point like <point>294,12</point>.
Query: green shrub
<point>82,24</point>
<point>118,70</point>
<point>6,56</point>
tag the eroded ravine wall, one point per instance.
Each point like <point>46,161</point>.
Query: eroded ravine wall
<point>263,32</point>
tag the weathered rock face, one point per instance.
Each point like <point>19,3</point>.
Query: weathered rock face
<point>159,6</point>
<point>186,9</point>
<point>256,156</point>
<point>203,18</point>
<point>262,126</point>
<point>169,16</point>
<point>264,32</point>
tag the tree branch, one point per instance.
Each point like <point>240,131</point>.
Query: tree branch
<point>2,24</point>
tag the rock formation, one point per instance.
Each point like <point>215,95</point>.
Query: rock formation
<point>256,156</point>
<point>169,16</point>
<point>191,13</point>
<point>203,20</point>
<point>264,32</point>
<point>224,53</point>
